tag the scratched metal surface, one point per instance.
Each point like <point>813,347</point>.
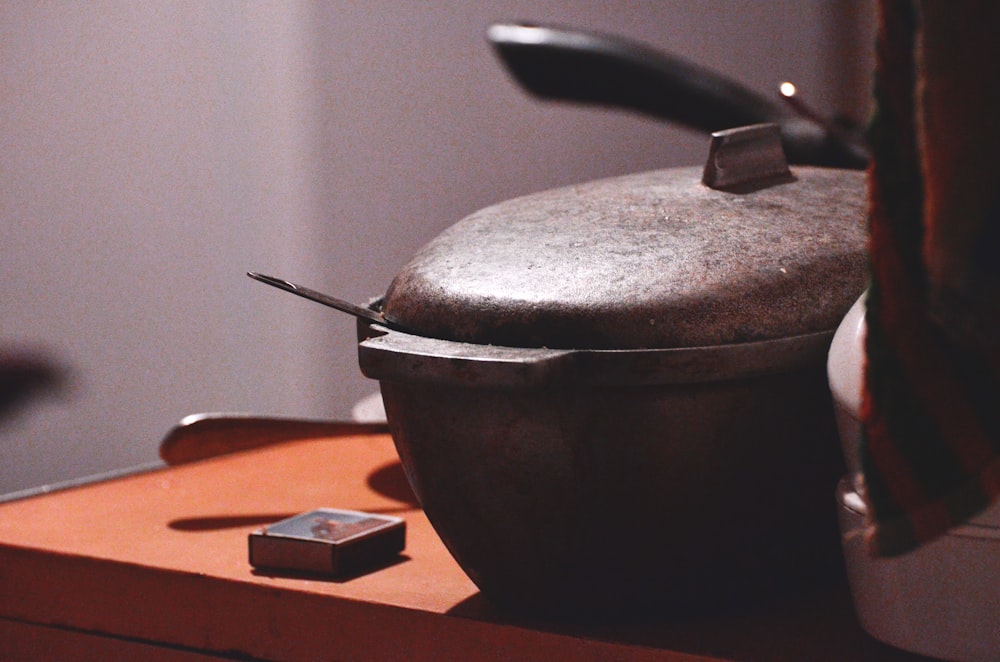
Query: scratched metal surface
<point>649,260</point>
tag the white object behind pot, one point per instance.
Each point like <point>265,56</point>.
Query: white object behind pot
<point>942,599</point>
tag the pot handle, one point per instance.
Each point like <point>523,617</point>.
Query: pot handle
<point>746,158</point>
<point>385,354</point>
<point>555,63</point>
<point>569,65</point>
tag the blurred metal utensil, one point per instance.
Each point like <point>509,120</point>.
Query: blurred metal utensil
<point>325,299</point>
<point>560,64</point>
<point>201,436</point>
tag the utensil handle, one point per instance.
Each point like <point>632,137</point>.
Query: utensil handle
<point>201,436</point>
<point>584,67</point>
<point>560,64</point>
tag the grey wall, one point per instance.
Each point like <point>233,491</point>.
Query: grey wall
<point>153,152</point>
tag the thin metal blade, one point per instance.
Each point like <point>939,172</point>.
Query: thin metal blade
<point>319,297</point>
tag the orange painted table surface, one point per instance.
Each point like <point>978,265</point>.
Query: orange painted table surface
<point>154,566</point>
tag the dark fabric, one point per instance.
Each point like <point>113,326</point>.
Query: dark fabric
<point>930,449</point>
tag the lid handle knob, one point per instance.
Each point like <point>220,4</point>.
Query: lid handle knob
<point>746,157</point>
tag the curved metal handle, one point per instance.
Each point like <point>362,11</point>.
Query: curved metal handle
<point>555,63</point>
<point>585,67</point>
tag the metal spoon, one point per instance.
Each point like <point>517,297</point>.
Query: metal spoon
<point>327,300</point>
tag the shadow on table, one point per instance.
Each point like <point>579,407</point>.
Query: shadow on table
<point>390,480</point>
<point>219,522</point>
<point>818,625</point>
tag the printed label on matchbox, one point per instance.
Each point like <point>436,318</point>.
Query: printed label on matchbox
<point>332,526</point>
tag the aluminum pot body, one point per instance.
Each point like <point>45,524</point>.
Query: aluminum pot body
<point>598,482</point>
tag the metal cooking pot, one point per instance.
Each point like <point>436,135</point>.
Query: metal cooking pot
<point>615,396</point>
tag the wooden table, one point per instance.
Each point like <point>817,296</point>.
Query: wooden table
<point>154,566</point>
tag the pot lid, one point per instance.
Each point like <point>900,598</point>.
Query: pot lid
<point>651,260</point>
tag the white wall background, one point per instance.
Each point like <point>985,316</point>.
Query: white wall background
<point>151,153</point>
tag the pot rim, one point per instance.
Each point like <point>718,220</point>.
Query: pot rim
<point>390,355</point>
